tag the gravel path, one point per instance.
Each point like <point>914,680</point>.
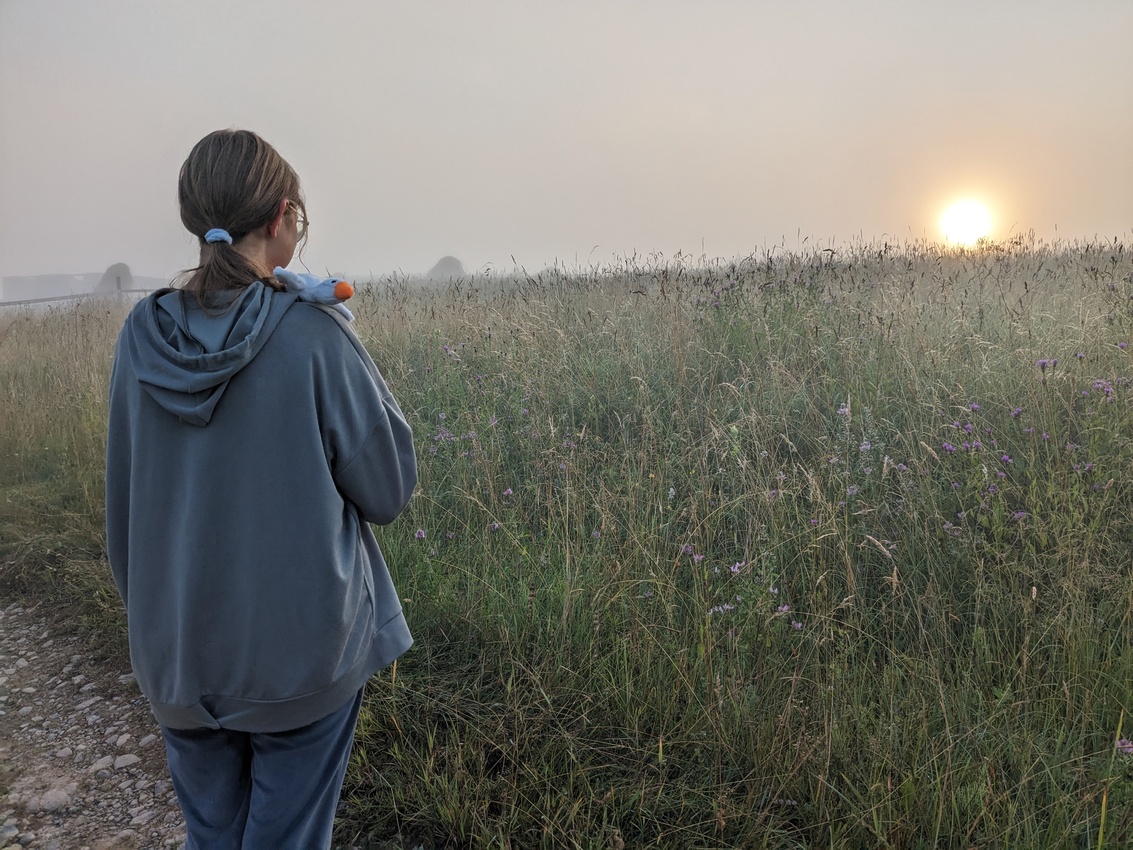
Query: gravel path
<point>82,766</point>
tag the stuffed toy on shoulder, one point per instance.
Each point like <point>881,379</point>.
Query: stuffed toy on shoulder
<point>332,291</point>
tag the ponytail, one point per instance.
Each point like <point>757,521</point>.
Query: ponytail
<point>230,185</point>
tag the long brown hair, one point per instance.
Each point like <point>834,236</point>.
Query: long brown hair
<point>232,180</point>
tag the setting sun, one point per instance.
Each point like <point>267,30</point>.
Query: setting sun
<point>965,222</point>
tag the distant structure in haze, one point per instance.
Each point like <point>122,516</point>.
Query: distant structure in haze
<point>446,268</point>
<point>117,278</point>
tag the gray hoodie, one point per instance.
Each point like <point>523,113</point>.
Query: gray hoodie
<point>247,453</point>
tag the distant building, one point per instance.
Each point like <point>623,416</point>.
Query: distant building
<point>117,278</point>
<point>49,286</point>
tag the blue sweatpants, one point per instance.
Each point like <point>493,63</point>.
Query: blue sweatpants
<point>261,791</point>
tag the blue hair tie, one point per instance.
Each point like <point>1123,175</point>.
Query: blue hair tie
<point>218,234</point>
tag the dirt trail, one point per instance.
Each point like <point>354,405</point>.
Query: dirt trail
<point>82,766</point>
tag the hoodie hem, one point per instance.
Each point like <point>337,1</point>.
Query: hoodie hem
<point>248,715</point>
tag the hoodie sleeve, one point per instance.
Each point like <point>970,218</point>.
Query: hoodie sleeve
<point>369,444</point>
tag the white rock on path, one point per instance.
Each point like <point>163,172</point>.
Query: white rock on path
<point>54,800</point>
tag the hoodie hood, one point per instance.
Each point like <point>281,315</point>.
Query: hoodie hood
<point>184,356</point>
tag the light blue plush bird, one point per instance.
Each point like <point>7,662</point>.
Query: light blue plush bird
<point>332,291</point>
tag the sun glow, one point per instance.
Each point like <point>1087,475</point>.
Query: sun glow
<point>965,223</point>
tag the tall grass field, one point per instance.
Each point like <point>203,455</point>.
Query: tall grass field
<point>819,549</point>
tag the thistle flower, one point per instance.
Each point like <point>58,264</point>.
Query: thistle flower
<point>420,534</point>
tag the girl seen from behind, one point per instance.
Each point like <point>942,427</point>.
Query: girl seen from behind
<point>251,442</point>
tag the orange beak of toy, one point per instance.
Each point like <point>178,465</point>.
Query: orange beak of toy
<point>343,290</point>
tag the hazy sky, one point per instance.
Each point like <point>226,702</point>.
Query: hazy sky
<point>579,131</point>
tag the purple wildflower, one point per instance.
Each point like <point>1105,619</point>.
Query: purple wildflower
<point>1018,515</point>
<point>948,447</point>
<point>420,535</point>
<point>507,492</point>
<point>796,625</point>
<point>973,406</point>
<point>783,609</point>
<point>1015,413</point>
<point>686,549</point>
<point>697,558</point>
<point>1124,746</point>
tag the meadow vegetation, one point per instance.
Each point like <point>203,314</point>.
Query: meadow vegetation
<point>816,549</point>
